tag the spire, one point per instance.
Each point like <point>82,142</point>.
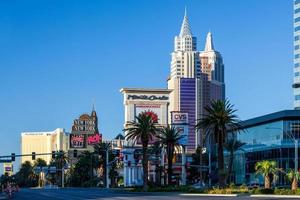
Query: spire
<point>185,27</point>
<point>209,46</point>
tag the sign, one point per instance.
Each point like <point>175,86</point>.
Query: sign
<point>8,168</point>
<point>146,97</point>
<point>77,141</point>
<point>152,109</point>
<point>183,129</point>
<point>180,118</point>
<point>94,139</point>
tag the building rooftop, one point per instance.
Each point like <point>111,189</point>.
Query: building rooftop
<point>276,116</point>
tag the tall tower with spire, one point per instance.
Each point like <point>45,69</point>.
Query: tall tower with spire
<point>196,78</point>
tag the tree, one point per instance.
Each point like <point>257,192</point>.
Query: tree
<point>155,152</point>
<point>59,162</point>
<point>194,171</point>
<point>268,169</point>
<point>219,117</point>
<point>39,163</point>
<point>232,146</point>
<point>293,176</point>
<point>143,130</point>
<point>25,177</point>
<point>170,137</point>
<point>82,174</point>
<point>100,149</point>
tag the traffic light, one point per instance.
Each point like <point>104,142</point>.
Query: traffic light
<point>75,153</point>
<point>33,156</point>
<point>53,154</point>
<point>13,157</point>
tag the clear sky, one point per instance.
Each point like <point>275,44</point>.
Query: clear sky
<point>57,56</point>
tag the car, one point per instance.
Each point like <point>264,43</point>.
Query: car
<point>199,185</point>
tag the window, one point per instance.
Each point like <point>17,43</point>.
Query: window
<point>297,65</point>
<point>297,19</point>
<point>297,73</point>
<point>296,47</point>
<point>297,97</point>
<point>297,1</point>
<point>297,56</point>
<point>297,38</point>
<point>297,28</point>
<point>297,10</point>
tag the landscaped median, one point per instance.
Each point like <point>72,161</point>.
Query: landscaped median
<point>230,191</point>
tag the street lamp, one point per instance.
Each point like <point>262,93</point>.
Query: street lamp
<point>295,140</point>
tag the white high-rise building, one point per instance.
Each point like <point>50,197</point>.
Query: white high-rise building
<point>296,84</point>
<point>196,78</point>
<point>185,58</point>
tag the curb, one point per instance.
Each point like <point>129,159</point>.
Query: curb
<point>209,195</point>
<point>277,196</point>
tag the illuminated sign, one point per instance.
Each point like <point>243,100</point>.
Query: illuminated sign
<point>183,130</point>
<point>94,139</point>
<point>145,97</point>
<point>154,110</point>
<point>77,141</point>
<point>180,118</point>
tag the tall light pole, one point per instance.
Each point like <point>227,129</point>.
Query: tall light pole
<point>295,140</point>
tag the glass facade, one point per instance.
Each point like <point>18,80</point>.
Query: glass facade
<point>267,138</point>
<point>188,105</point>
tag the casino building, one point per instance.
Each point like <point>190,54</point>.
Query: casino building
<point>267,137</point>
<point>196,78</point>
<point>84,133</point>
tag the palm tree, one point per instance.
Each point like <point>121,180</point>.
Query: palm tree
<point>267,169</point>
<point>59,162</point>
<point>170,137</point>
<point>100,149</point>
<point>232,146</point>
<point>219,118</point>
<point>40,163</point>
<point>293,176</point>
<point>143,129</point>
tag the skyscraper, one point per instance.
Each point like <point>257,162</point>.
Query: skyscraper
<point>196,78</point>
<point>296,84</point>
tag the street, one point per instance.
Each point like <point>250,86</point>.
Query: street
<point>94,194</point>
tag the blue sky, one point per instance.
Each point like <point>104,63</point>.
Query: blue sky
<point>57,56</point>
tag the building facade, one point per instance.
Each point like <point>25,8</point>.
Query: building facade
<point>43,142</point>
<point>136,101</point>
<point>85,132</point>
<point>296,85</point>
<point>267,137</point>
<point>196,78</point>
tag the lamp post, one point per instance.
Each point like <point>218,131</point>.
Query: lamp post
<point>295,140</point>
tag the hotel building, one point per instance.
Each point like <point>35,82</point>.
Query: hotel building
<point>196,78</point>
<point>296,84</point>
<point>43,142</point>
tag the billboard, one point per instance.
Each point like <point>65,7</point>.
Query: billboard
<point>77,141</point>
<point>94,139</point>
<point>180,121</point>
<point>183,131</point>
<point>154,109</point>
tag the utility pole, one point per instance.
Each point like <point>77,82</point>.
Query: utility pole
<point>107,183</point>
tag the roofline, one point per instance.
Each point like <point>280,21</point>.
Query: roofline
<point>147,90</point>
<point>276,116</point>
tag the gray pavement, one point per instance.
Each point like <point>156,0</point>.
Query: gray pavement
<point>94,194</point>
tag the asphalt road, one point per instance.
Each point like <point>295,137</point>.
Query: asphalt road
<point>103,194</point>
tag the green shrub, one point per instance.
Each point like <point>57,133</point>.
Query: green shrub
<point>262,191</point>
